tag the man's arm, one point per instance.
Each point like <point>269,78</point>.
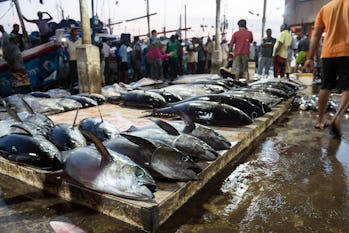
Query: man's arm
<point>314,44</point>
<point>50,17</point>
<point>278,48</point>
<point>28,20</point>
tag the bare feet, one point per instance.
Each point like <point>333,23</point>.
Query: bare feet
<point>336,128</point>
<point>321,125</point>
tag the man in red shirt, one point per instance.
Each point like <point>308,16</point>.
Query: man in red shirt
<point>241,40</point>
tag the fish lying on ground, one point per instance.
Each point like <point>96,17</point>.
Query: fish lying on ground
<point>102,129</point>
<point>187,126</point>
<point>188,144</point>
<point>207,113</point>
<point>106,171</point>
<point>100,99</point>
<point>165,161</point>
<point>31,150</point>
<point>249,108</point>
<point>67,137</point>
<point>140,99</point>
<point>169,97</point>
<point>83,100</point>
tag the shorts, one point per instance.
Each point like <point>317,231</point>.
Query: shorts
<point>279,64</point>
<point>301,57</point>
<point>240,64</point>
<point>335,73</point>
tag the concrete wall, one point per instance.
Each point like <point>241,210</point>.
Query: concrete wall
<point>299,12</point>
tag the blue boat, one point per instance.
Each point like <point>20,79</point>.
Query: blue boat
<point>42,65</point>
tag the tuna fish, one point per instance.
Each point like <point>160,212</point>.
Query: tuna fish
<point>165,161</point>
<point>30,150</point>
<point>140,99</point>
<point>190,145</point>
<point>207,134</point>
<point>106,171</point>
<point>207,113</point>
<point>102,129</point>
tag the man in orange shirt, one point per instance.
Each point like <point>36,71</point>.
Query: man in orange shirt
<point>333,19</point>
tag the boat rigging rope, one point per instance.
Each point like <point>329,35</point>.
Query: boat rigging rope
<point>11,5</point>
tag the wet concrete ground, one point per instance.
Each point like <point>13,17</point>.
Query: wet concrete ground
<point>294,179</point>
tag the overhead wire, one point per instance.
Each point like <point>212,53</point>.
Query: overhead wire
<point>11,5</point>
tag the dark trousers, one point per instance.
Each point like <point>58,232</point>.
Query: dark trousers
<point>73,74</point>
<point>174,68</point>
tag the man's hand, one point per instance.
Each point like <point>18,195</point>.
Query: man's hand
<point>309,65</point>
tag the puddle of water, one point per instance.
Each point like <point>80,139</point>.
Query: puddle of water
<point>297,180</point>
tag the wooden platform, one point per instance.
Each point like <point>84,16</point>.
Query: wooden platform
<point>147,216</point>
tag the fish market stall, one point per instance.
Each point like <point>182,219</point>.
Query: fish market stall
<point>169,196</point>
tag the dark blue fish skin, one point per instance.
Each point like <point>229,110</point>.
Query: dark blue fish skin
<point>143,99</point>
<point>249,108</point>
<point>208,113</point>
<point>83,100</point>
<point>31,150</point>
<point>162,161</point>
<point>100,99</point>
<point>102,129</point>
<point>66,137</point>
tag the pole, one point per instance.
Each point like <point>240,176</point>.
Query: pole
<point>263,18</point>
<point>93,19</point>
<point>19,12</point>
<point>185,22</point>
<point>85,22</point>
<point>148,18</point>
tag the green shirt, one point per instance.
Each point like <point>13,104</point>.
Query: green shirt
<point>172,46</point>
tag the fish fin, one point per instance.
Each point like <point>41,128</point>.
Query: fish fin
<point>27,106</point>
<point>76,116</point>
<point>165,126</point>
<point>11,112</point>
<point>100,114</point>
<point>189,123</point>
<point>22,127</point>
<point>147,114</point>
<point>143,143</point>
<point>60,227</point>
<point>106,157</point>
<point>132,128</point>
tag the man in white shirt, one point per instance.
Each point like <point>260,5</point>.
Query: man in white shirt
<point>72,43</point>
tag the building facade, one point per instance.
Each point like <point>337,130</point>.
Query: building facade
<point>301,14</point>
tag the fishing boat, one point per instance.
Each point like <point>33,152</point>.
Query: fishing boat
<point>41,62</point>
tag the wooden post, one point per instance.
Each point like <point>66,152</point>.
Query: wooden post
<point>85,22</point>
<point>20,16</point>
<point>88,61</point>
<point>217,54</point>
<point>263,18</point>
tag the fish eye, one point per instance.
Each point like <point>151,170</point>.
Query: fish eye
<point>140,173</point>
<point>185,158</point>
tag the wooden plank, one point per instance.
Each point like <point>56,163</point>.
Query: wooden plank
<point>170,196</point>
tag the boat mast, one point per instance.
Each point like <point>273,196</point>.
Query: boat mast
<point>20,16</point>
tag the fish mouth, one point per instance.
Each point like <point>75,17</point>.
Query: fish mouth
<point>151,187</point>
<point>195,169</point>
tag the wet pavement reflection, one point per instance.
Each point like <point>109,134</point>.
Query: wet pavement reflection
<point>296,179</point>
